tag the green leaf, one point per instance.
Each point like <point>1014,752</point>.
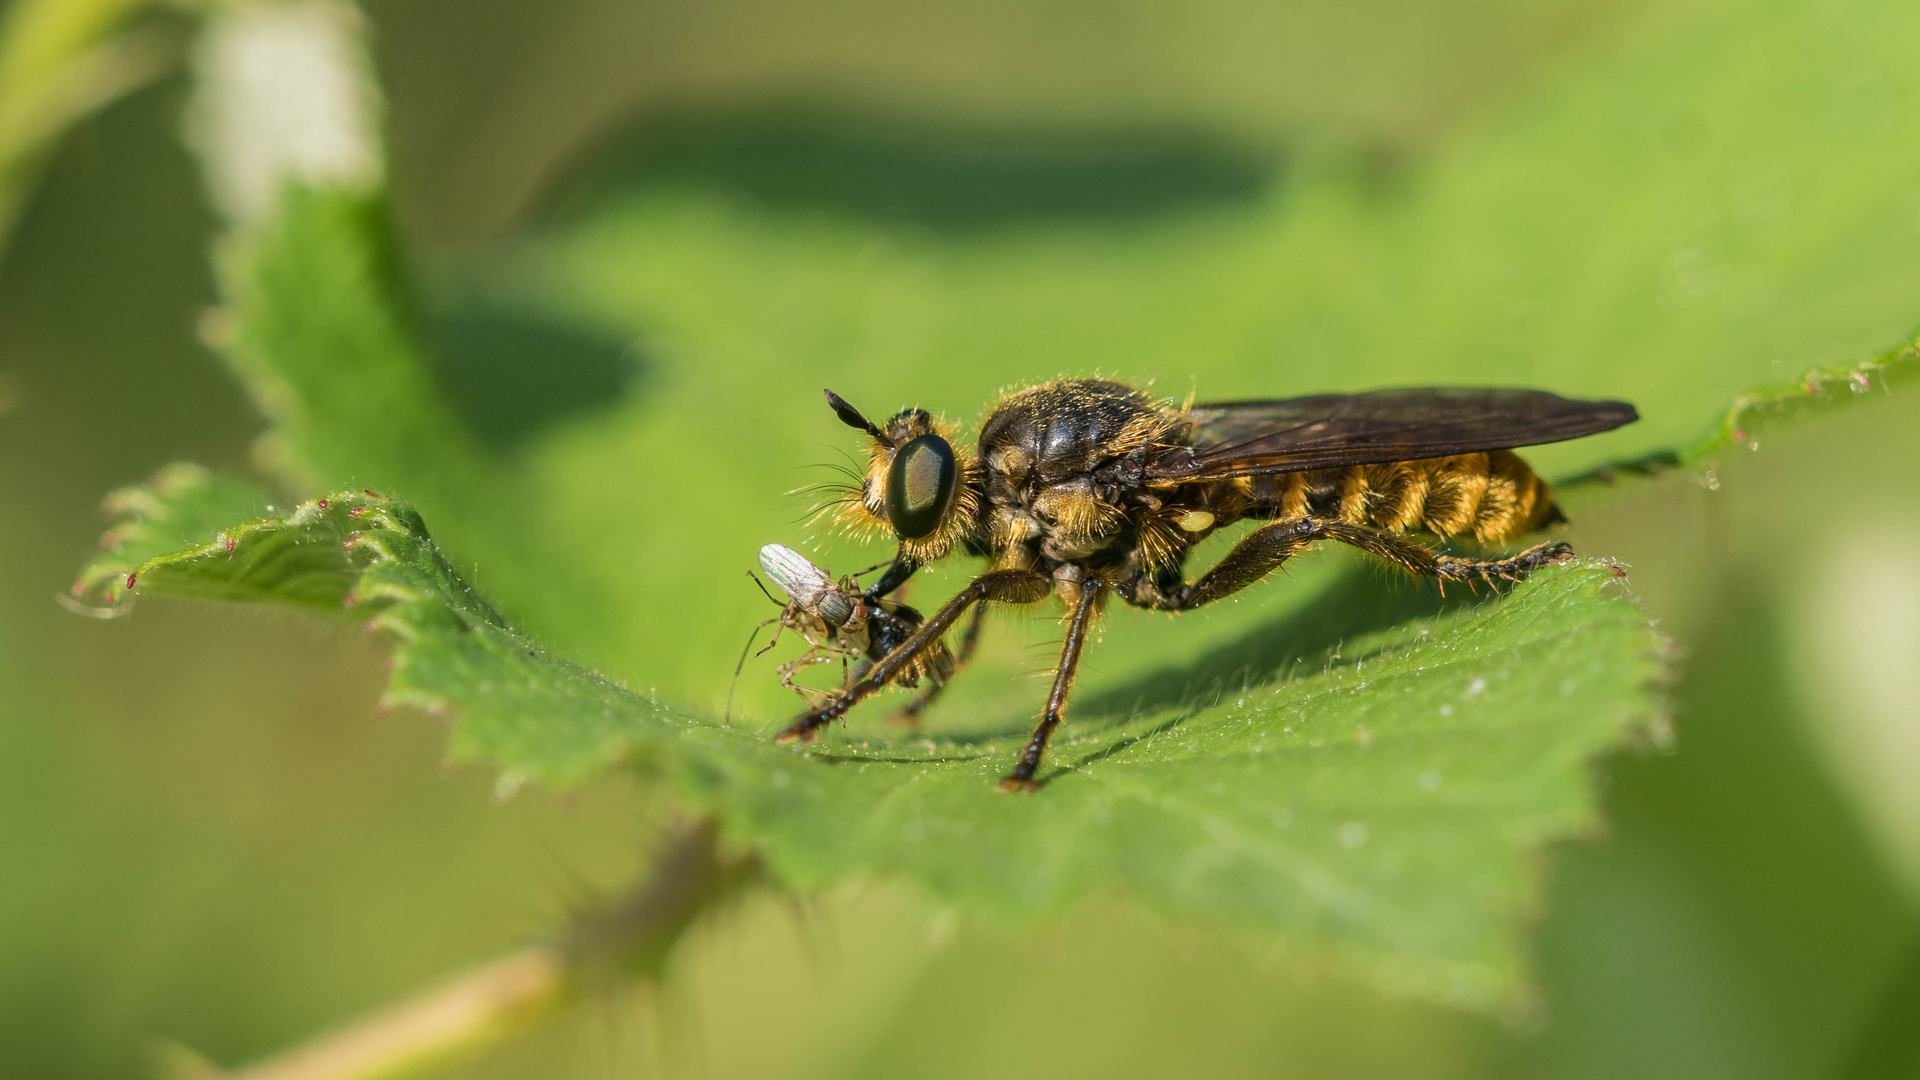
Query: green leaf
<point>1383,812</point>
<point>183,509</point>
<point>362,556</point>
<point>318,326</point>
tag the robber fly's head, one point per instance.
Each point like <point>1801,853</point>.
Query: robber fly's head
<point>917,485</point>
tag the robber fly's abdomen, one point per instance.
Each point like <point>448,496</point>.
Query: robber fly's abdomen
<point>1493,496</point>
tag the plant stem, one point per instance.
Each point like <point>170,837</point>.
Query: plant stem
<point>459,1016</point>
<point>479,1008</point>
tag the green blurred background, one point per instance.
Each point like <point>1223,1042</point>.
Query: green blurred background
<point>206,835</point>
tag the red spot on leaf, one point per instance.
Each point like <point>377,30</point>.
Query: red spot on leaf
<point>131,578</point>
<point>371,492</point>
<point>230,544</point>
<point>323,504</point>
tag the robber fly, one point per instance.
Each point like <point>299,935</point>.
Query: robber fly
<point>840,620</point>
<point>1088,488</point>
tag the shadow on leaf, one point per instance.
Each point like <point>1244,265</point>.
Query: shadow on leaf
<point>510,374</point>
<point>1361,601</point>
<point>941,175</point>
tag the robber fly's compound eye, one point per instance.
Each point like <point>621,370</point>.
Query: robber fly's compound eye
<point>920,486</point>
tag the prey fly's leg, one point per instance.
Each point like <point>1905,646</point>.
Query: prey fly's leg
<point>792,667</point>
<point>910,713</point>
<point>1078,623</point>
<point>1000,586</point>
<point>1262,551</point>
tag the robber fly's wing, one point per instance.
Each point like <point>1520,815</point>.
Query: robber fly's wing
<point>1250,438</point>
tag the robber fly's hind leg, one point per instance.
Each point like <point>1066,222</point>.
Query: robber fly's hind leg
<point>909,714</point>
<point>1078,623</point>
<point>1262,551</point>
<point>1419,559</point>
<point>1258,554</point>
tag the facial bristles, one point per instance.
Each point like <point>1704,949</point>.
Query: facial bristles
<point>865,515</point>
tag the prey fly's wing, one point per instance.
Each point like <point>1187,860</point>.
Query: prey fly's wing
<point>793,573</point>
<point>1251,438</point>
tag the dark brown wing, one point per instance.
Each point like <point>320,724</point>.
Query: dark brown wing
<point>1249,438</point>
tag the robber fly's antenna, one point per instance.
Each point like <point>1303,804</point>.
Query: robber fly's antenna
<point>851,417</point>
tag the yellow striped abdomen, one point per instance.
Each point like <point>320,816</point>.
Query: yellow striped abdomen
<point>1493,496</point>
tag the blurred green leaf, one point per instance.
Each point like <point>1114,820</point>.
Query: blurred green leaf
<point>1714,199</point>
<point>319,327</point>
<point>1381,813</point>
<point>1822,390</point>
<point>1826,388</point>
<point>1717,198</point>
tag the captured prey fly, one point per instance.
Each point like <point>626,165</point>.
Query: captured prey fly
<point>839,619</point>
<point>1090,489</point>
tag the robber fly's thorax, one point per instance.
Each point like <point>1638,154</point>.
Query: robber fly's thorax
<point>1063,464</point>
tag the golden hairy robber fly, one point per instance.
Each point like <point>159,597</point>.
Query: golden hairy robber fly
<point>1088,488</point>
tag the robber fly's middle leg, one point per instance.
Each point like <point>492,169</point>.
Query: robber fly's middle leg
<point>1079,621</point>
<point>999,586</point>
<point>1262,551</point>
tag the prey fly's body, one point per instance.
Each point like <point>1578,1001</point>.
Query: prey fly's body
<point>1089,488</point>
<point>840,620</point>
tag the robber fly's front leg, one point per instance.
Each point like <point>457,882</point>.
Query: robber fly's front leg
<point>999,586</point>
